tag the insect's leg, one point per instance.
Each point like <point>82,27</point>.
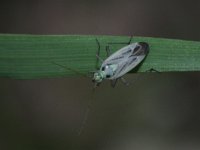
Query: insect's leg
<point>113,82</point>
<point>110,43</point>
<point>108,50</point>
<point>129,42</point>
<point>99,47</point>
<point>98,55</point>
<point>99,58</point>
<point>124,81</point>
<point>153,70</point>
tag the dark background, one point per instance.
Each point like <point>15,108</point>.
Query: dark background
<point>157,111</point>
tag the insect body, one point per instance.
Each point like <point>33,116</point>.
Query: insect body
<point>117,64</point>
<point>121,62</point>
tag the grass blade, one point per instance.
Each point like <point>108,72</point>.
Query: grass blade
<point>31,56</point>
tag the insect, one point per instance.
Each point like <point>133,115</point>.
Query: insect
<point>119,63</point>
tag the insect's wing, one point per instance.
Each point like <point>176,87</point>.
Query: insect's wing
<point>127,58</point>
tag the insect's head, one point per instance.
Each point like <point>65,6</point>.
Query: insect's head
<point>98,77</point>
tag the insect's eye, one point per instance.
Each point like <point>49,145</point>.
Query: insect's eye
<point>103,68</point>
<point>108,76</point>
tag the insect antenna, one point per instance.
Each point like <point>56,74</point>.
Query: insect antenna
<point>86,114</point>
<point>73,70</point>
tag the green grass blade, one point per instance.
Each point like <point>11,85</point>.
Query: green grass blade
<point>32,56</point>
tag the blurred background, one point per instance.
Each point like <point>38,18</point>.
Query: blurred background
<point>157,111</point>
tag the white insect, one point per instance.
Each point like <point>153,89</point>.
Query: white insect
<point>120,62</point>
<point>117,64</point>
